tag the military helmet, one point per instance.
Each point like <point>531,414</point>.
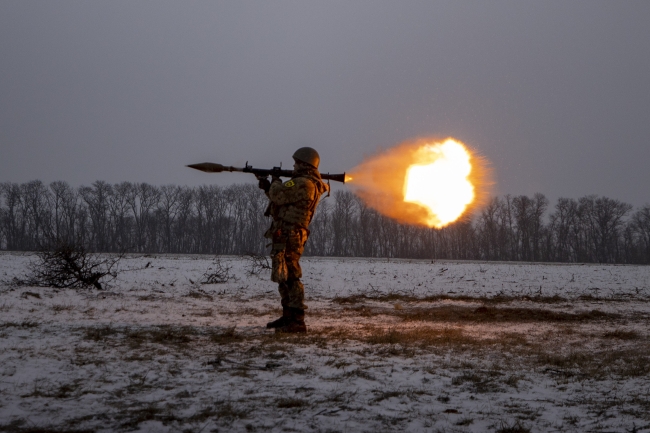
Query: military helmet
<point>307,155</point>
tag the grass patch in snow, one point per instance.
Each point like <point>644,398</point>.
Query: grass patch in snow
<point>485,314</point>
<point>23,324</point>
<point>100,333</point>
<point>165,335</point>
<point>480,382</point>
<point>393,298</point>
<point>224,336</point>
<point>515,427</point>
<point>420,336</point>
<point>199,295</point>
<point>588,364</point>
<point>45,388</point>
<point>24,426</point>
<point>208,312</point>
<point>291,403</point>
<point>58,308</point>
<point>621,334</point>
<point>131,418</point>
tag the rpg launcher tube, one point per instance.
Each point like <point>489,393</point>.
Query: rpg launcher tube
<point>210,167</point>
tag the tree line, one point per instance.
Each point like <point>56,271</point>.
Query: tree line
<point>211,219</point>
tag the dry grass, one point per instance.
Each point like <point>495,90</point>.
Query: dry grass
<point>588,364</point>
<point>44,388</point>
<point>208,312</point>
<point>360,372</point>
<point>23,426</point>
<point>23,324</point>
<point>199,295</point>
<point>620,334</point>
<point>515,427</point>
<point>134,338</point>
<point>421,336</point>
<point>265,312</point>
<point>464,421</point>
<point>394,298</point>
<point>291,403</point>
<point>386,395</point>
<point>452,313</point>
<point>100,333</point>
<point>166,335</point>
<point>132,417</point>
<point>396,341</point>
<point>485,314</point>
<point>57,308</point>
<point>480,382</point>
<point>224,336</point>
<point>488,312</point>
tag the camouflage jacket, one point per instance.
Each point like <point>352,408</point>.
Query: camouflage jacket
<point>294,202</point>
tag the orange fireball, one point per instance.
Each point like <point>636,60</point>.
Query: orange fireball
<point>424,182</point>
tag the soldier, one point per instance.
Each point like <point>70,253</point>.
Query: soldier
<point>292,205</point>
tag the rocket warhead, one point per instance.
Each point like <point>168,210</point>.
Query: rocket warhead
<point>210,167</point>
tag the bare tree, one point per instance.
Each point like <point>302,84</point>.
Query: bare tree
<point>142,199</point>
<point>167,210</point>
<point>217,273</point>
<point>603,219</point>
<point>640,226</point>
<point>366,235</point>
<point>211,223</point>
<point>120,219</point>
<point>97,200</point>
<point>183,229</point>
<point>64,203</point>
<point>229,220</point>
<point>488,230</point>
<point>343,223</point>
<point>564,225</point>
<point>12,228</point>
<point>320,239</point>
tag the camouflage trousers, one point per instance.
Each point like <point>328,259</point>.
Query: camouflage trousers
<point>288,246</point>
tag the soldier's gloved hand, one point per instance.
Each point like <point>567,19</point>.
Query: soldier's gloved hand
<point>275,179</point>
<point>263,183</point>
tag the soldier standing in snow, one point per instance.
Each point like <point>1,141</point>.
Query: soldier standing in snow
<point>292,206</point>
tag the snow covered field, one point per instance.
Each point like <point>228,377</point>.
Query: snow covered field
<point>392,346</point>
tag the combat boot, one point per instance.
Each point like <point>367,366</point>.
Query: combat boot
<point>277,323</point>
<point>295,322</point>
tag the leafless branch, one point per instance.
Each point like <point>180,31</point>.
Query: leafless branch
<point>70,266</point>
<point>218,273</point>
<point>256,263</point>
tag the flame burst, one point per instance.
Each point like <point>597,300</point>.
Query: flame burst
<point>424,182</point>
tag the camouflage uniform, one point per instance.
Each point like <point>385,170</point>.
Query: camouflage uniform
<point>292,207</point>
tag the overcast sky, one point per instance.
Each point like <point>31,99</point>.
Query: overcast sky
<point>556,94</point>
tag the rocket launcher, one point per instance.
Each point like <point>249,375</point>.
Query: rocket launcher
<point>210,167</point>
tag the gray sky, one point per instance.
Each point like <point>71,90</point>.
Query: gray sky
<point>556,94</point>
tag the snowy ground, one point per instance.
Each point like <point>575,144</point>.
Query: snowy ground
<point>392,346</point>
